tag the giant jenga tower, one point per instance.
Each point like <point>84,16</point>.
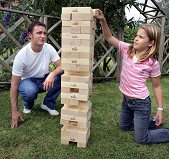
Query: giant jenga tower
<point>78,33</point>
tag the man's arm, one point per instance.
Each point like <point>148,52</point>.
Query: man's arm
<point>51,77</point>
<point>16,115</point>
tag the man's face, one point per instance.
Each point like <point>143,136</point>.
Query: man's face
<point>38,36</point>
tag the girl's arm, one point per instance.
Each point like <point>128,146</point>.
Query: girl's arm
<point>106,31</point>
<point>159,100</point>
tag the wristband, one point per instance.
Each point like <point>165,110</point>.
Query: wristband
<point>160,109</point>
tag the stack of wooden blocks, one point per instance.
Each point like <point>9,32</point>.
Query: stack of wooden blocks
<point>78,34</point>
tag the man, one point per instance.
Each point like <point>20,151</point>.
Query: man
<point>30,74</point>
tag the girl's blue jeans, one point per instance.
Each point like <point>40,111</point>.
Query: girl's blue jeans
<point>30,88</point>
<point>136,115</point>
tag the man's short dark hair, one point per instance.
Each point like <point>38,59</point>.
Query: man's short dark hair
<point>33,24</point>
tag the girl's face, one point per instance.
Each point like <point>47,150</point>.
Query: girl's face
<point>142,41</point>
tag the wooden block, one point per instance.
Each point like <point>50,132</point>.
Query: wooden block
<point>78,30</point>
<point>73,134</point>
<point>77,23</point>
<point>75,55</point>
<point>65,78</point>
<point>74,96</point>
<point>78,79</point>
<point>87,30</point>
<point>83,86</point>
<point>68,10</point>
<point>73,42</point>
<point>84,91</point>
<point>82,111</point>
<point>66,30</point>
<point>77,73</point>
<point>70,101</point>
<point>76,68</point>
<point>75,88</point>
<point>85,42</point>
<point>76,64</point>
<point>81,49</point>
<point>75,29</point>
<point>66,89</point>
<point>77,36</point>
<point>66,16</point>
<point>95,12</point>
<point>76,102</point>
<point>65,54</point>
<point>75,115</point>
<point>80,124</point>
<point>82,16</point>
<point>76,61</point>
<point>77,42</point>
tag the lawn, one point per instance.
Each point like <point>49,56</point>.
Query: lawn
<point>38,137</point>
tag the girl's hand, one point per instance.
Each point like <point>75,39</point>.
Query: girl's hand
<point>159,118</point>
<point>99,15</point>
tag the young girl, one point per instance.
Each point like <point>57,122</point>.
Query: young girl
<point>139,63</point>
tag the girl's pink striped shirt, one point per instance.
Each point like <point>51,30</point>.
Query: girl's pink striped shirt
<point>135,73</point>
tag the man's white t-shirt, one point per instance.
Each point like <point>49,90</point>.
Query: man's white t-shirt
<point>28,63</point>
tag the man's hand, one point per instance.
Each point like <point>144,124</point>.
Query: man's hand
<point>49,82</point>
<point>16,117</point>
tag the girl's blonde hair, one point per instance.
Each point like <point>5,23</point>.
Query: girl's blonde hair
<point>154,34</point>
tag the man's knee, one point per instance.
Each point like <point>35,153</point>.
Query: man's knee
<point>28,94</point>
<point>28,90</point>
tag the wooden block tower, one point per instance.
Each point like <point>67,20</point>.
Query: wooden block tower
<point>78,33</point>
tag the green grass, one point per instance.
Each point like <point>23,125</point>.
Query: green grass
<point>38,137</point>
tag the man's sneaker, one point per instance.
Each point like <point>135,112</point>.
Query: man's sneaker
<point>26,111</point>
<point>51,112</point>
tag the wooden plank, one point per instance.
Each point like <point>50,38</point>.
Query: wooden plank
<point>68,10</point>
<point>75,115</point>
<point>73,134</point>
<point>75,85</point>
<point>78,30</point>
<point>76,61</point>
<point>76,67</point>
<point>54,26</point>
<point>82,16</point>
<point>70,101</point>
<point>74,96</point>
<point>77,36</point>
<point>77,73</point>
<point>10,36</point>
<point>5,65</point>
<point>27,13</point>
<point>66,16</point>
<point>77,23</point>
<point>27,19</point>
<point>80,124</point>
<point>54,41</point>
<point>87,30</point>
<point>12,28</point>
<point>77,42</point>
<point>81,49</point>
<point>75,78</point>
